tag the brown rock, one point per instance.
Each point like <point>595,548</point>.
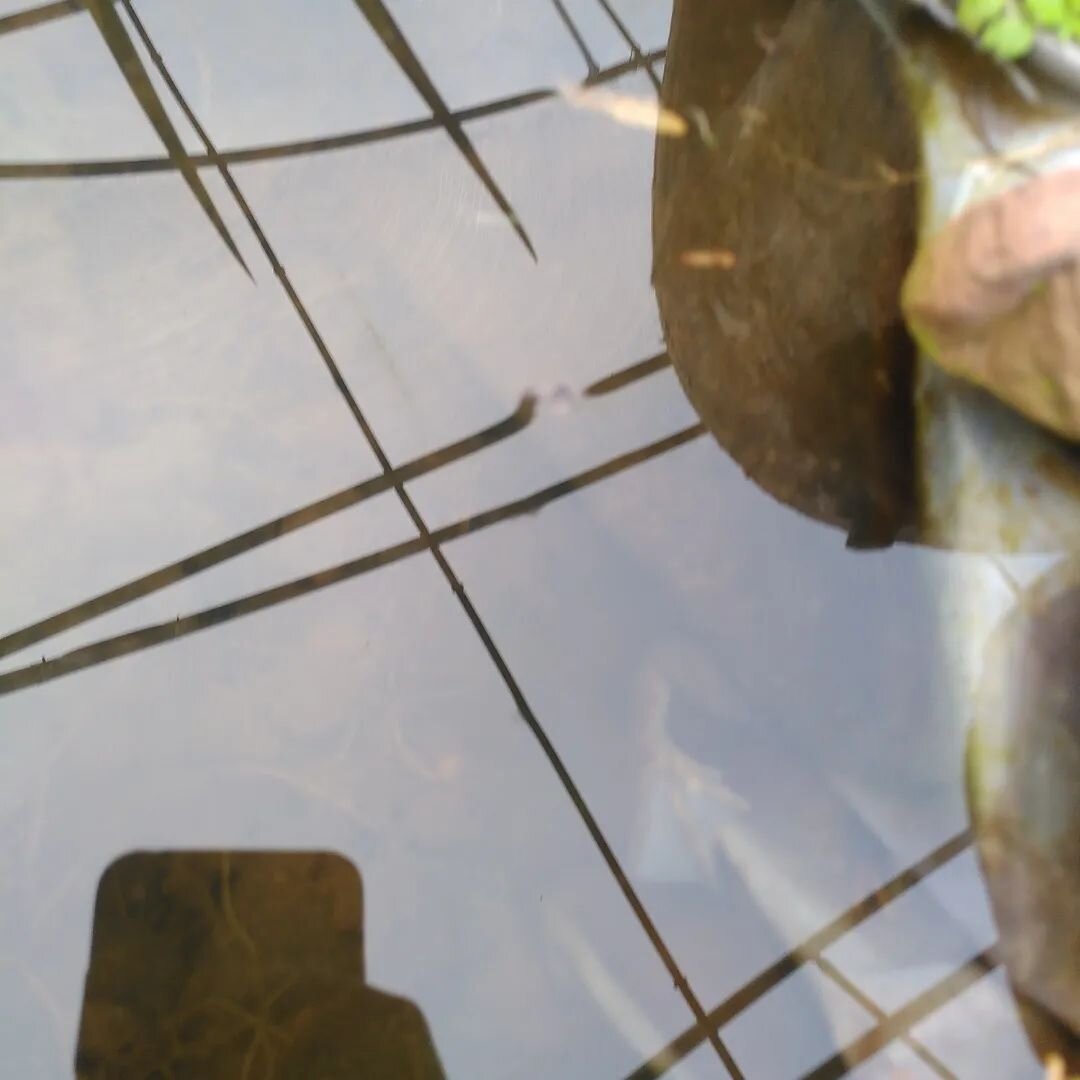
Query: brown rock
<point>799,164</point>
<point>995,298</point>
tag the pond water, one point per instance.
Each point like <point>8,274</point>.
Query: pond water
<point>373,486</point>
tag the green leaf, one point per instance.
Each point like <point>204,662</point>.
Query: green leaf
<point>116,37</point>
<point>974,15</point>
<point>1060,16</point>
<point>1071,29</point>
<point>1050,14</point>
<point>1009,37</point>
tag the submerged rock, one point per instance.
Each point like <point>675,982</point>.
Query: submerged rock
<point>1024,796</point>
<point>783,225</point>
<point>995,298</point>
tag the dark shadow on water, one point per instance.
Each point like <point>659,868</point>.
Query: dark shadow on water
<point>220,964</point>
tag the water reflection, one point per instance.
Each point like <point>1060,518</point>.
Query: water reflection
<point>642,767</point>
<point>240,964</point>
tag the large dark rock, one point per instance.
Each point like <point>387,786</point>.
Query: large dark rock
<point>799,163</point>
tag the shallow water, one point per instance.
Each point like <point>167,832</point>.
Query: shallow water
<point>351,504</point>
